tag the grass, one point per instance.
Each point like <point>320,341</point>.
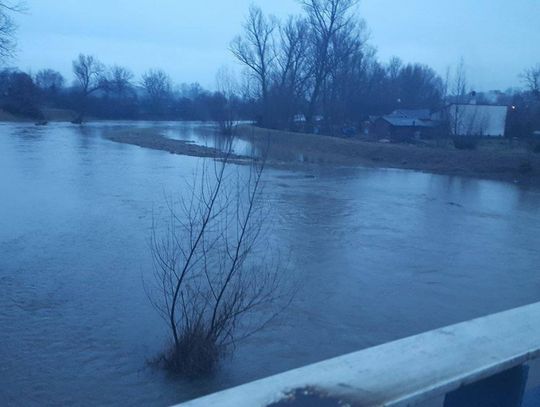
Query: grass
<point>499,159</point>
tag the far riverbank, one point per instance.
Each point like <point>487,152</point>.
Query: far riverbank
<point>493,159</point>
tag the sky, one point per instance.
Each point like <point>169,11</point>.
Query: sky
<point>189,39</point>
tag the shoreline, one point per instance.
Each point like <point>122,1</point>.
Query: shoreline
<point>496,160</point>
<point>151,139</point>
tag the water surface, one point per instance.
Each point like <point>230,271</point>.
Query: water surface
<point>381,254</point>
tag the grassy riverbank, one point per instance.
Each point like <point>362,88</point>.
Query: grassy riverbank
<point>494,159</point>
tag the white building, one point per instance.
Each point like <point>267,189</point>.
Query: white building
<point>474,120</point>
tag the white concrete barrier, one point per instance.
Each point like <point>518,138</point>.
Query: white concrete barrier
<point>406,372</point>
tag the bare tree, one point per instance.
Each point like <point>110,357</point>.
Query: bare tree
<point>346,67</point>
<point>214,282</point>
<point>255,49</point>
<point>327,18</point>
<point>459,96</point>
<point>531,78</point>
<point>292,53</point>
<point>8,27</point>
<point>89,78</point>
<point>419,86</point>
<point>158,87</point>
<point>289,84</point>
<point>227,87</point>
<point>119,80</point>
<point>49,81</point>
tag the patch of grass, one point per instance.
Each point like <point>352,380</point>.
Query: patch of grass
<point>525,168</point>
<point>465,143</point>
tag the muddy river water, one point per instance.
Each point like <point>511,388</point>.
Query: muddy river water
<point>381,254</point>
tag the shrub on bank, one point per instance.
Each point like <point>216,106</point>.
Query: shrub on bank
<point>535,146</point>
<point>525,168</point>
<point>466,142</point>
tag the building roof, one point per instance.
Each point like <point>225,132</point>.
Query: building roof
<point>398,121</point>
<point>423,114</point>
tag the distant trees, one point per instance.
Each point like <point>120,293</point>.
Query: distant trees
<point>113,92</point>
<point>289,87</point>
<point>524,118</point>
<point>8,27</point>
<point>319,67</point>
<point>292,61</point>
<point>50,80</point>
<point>255,49</point>
<point>19,95</point>
<point>89,77</point>
<point>88,73</point>
<point>158,88</point>
<point>225,111</point>
<point>419,86</point>
<point>51,83</point>
<point>330,23</point>
<point>117,96</point>
<point>531,78</point>
<point>118,81</point>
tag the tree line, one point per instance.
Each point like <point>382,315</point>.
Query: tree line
<point>313,72</point>
<point>111,92</point>
<point>320,64</point>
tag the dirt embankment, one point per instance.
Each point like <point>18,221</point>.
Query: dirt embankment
<point>494,159</point>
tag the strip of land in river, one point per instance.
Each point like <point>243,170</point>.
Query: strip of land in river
<point>152,139</point>
<point>495,159</point>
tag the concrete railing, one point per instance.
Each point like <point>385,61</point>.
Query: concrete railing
<point>455,363</point>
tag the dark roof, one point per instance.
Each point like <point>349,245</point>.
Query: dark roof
<point>398,121</point>
<point>423,114</point>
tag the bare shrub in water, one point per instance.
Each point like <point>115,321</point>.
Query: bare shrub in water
<point>216,280</point>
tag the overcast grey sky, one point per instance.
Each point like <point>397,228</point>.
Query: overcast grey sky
<point>190,38</point>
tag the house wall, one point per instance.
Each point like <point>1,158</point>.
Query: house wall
<point>477,120</point>
<point>382,129</point>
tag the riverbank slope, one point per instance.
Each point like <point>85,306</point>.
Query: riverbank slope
<point>493,159</point>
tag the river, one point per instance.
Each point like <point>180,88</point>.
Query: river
<point>381,254</point>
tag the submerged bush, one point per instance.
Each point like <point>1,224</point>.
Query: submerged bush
<point>216,280</point>
<point>196,355</point>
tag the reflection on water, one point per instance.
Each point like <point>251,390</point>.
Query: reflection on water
<point>381,254</point>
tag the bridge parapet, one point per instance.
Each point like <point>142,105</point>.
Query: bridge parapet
<point>475,360</point>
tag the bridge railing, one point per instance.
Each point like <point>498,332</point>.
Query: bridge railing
<point>459,365</point>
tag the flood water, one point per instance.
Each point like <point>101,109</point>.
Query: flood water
<point>381,254</point>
